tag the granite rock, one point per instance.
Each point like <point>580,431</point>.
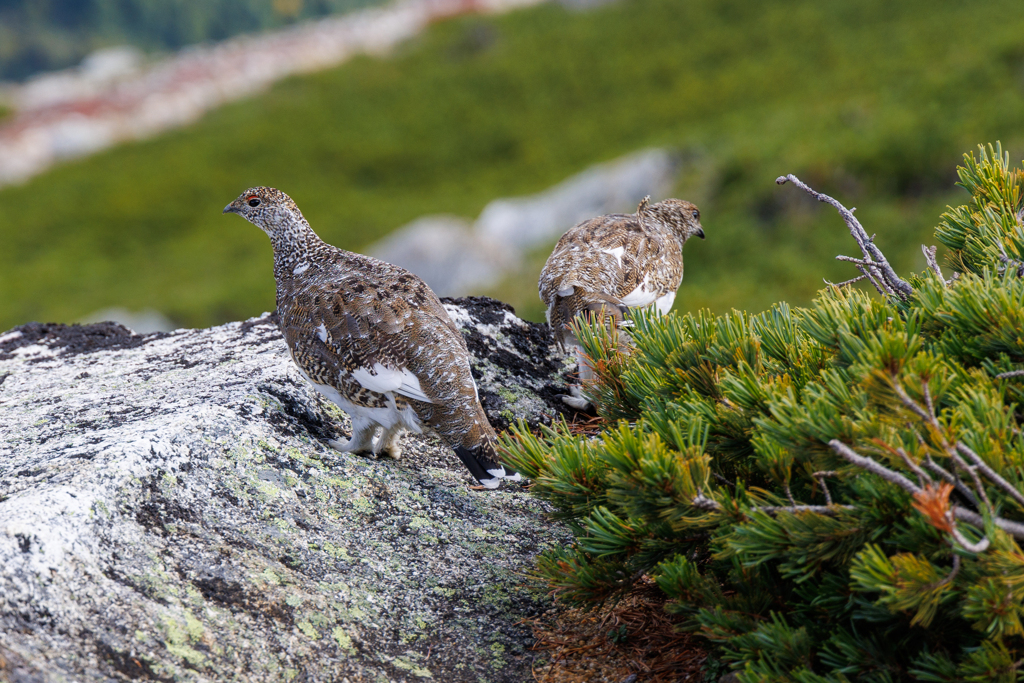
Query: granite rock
<point>170,510</point>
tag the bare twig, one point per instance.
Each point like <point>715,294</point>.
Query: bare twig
<point>955,481</point>
<point>845,282</point>
<point>820,476</point>
<point>722,479</point>
<point>879,264</point>
<point>973,471</point>
<point>867,263</point>
<point>702,502</point>
<point>922,476</point>
<point>912,404</point>
<point>928,416</point>
<point>991,473</point>
<point>819,509</point>
<point>789,494</point>
<point>873,467</point>
<point>950,576</point>
<point>929,257</point>
<point>1011,373</point>
<point>979,547</point>
<point>929,403</point>
<point>1015,529</point>
<point>872,280</point>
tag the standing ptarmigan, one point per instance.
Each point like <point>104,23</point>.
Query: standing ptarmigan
<point>612,263</point>
<point>374,339</point>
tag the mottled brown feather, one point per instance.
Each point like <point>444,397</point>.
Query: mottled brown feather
<point>651,243</point>
<point>342,312</point>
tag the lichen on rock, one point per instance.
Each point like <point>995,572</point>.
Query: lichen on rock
<point>170,510</point>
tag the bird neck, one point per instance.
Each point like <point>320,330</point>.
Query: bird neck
<point>292,240</point>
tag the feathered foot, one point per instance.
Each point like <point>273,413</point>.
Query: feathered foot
<point>389,443</point>
<point>362,440</point>
<point>577,400</point>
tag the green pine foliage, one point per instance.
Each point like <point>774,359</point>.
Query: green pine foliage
<point>723,476</point>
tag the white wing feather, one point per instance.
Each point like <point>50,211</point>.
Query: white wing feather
<point>384,379</point>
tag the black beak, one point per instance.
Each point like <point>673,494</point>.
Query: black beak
<point>230,208</point>
<point>699,233</point>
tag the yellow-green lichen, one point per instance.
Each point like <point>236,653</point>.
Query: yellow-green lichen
<point>309,630</point>
<point>420,522</point>
<point>336,552</point>
<point>343,639</point>
<point>176,641</point>
<point>414,669</point>
<point>270,576</point>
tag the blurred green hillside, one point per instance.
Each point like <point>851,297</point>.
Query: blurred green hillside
<point>40,35</point>
<point>872,101</point>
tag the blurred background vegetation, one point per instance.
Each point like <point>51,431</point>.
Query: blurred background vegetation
<point>41,35</point>
<point>872,101</point>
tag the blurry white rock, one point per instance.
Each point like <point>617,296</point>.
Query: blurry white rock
<point>446,253</point>
<point>96,72</point>
<point>619,185</point>
<point>456,259</point>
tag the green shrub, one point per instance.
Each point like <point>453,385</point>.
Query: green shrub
<point>826,493</point>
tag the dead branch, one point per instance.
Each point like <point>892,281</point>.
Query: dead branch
<point>1015,529</point>
<point>991,473</point>
<point>955,481</point>
<point>929,257</point>
<point>866,463</point>
<point>928,417</point>
<point>702,502</point>
<point>845,282</point>
<point>875,262</point>
<point>820,476</point>
<point>922,476</point>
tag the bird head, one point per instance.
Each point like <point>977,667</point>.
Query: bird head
<point>675,215</point>
<point>267,208</point>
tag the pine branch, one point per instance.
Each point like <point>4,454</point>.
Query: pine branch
<point>874,261</point>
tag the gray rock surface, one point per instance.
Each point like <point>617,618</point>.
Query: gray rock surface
<point>169,510</point>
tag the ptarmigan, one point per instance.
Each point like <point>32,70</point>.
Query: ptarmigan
<point>373,338</point>
<point>612,263</point>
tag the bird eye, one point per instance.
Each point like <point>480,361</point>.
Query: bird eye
<point>253,201</point>
<point>696,215</point>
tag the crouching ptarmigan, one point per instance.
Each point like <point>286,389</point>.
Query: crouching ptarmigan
<point>609,264</point>
<point>373,338</point>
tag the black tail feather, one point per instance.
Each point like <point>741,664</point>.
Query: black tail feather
<point>483,464</point>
